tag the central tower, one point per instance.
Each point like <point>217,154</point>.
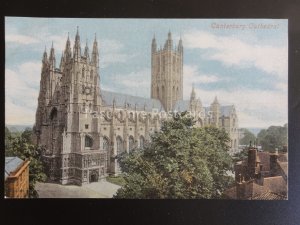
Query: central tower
<point>167,72</point>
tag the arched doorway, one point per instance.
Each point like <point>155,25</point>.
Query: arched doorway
<point>94,176</point>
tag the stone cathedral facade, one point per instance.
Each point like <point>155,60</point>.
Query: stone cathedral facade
<point>84,129</point>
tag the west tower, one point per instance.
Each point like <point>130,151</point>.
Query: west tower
<point>167,72</point>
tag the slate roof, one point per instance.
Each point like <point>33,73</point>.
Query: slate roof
<point>141,103</point>
<point>269,196</point>
<point>226,110</point>
<point>182,105</point>
<point>148,104</point>
<point>11,164</point>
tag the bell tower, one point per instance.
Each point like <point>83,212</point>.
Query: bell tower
<point>167,72</point>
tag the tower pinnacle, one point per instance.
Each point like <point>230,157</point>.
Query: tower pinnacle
<point>95,53</point>
<point>77,48</point>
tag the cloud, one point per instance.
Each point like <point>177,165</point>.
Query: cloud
<point>21,93</point>
<point>111,52</point>
<point>255,108</point>
<point>134,83</point>
<point>20,39</point>
<point>231,51</point>
<point>193,76</point>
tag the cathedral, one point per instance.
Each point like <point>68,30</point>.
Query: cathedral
<point>83,128</point>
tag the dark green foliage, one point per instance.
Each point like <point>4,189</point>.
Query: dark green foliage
<point>180,162</point>
<point>118,180</point>
<point>273,137</point>
<point>21,146</point>
<point>248,136</point>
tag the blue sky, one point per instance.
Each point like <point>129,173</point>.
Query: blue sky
<point>245,64</point>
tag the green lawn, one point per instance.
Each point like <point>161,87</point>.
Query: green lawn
<point>118,180</point>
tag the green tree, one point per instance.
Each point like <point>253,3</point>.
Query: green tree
<point>273,137</point>
<point>181,161</point>
<point>21,147</point>
<point>248,136</point>
<point>27,134</point>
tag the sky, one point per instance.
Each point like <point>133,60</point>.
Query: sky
<point>244,62</point>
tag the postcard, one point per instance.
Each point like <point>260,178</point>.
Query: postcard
<point>146,108</point>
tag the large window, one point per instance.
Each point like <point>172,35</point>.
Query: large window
<point>142,142</point>
<point>119,145</point>
<point>106,147</point>
<point>88,142</point>
<point>131,143</point>
<point>105,144</point>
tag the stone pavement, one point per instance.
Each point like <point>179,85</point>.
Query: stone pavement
<point>101,189</point>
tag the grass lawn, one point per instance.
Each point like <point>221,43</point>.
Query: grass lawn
<point>118,180</point>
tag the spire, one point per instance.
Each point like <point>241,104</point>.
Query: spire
<point>169,35</point>
<point>154,45</point>
<point>68,52</point>
<point>86,50</point>
<point>62,61</point>
<point>52,57</point>
<point>77,48</point>
<point>95,53</point>
<point>114,103</point>
<point>193,93</point>
<point>45,57</point>
<point>169,42</point>
<point>216,100</point>
<point>180,46</point>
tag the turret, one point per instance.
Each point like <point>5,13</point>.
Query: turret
<point>154,45</point>
<point>52,60</point>
<point>77,48</point>
<point>86,52</point>
<point>193,94</point>
<point>62,62</point>
<point>95,53</point>
<point>68,52</point>
<point>180,47</point>
<point>216,102</point>
<point>169,42</point>
<point>215,109</point>
<point>45,58</point>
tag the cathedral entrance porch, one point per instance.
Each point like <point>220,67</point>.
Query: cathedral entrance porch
<point>94,176</point>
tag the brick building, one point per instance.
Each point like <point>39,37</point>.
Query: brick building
<point>263,176</point>
<point>16,177</point>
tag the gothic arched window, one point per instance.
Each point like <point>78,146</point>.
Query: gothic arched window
<point>177,92</point>
<point>88,143</point>
<point>119,145</point>
<point>83,72</point>
<point>91,76</point>
<point>131,143</point>
<point>142,142</point>
<point>105,144</point>
<point>163,92</point>
<point>157,92</point>
<point>53,114</point>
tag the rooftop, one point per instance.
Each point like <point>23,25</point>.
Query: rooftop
<point>11,164</point>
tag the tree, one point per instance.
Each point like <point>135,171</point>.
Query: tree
<point>181,161</point>
<point>273,137</point>
<point>21,147</point>
<point>27,134</point>
<point>248,136</point>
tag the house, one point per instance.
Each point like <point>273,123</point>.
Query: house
<point>16,177</point>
